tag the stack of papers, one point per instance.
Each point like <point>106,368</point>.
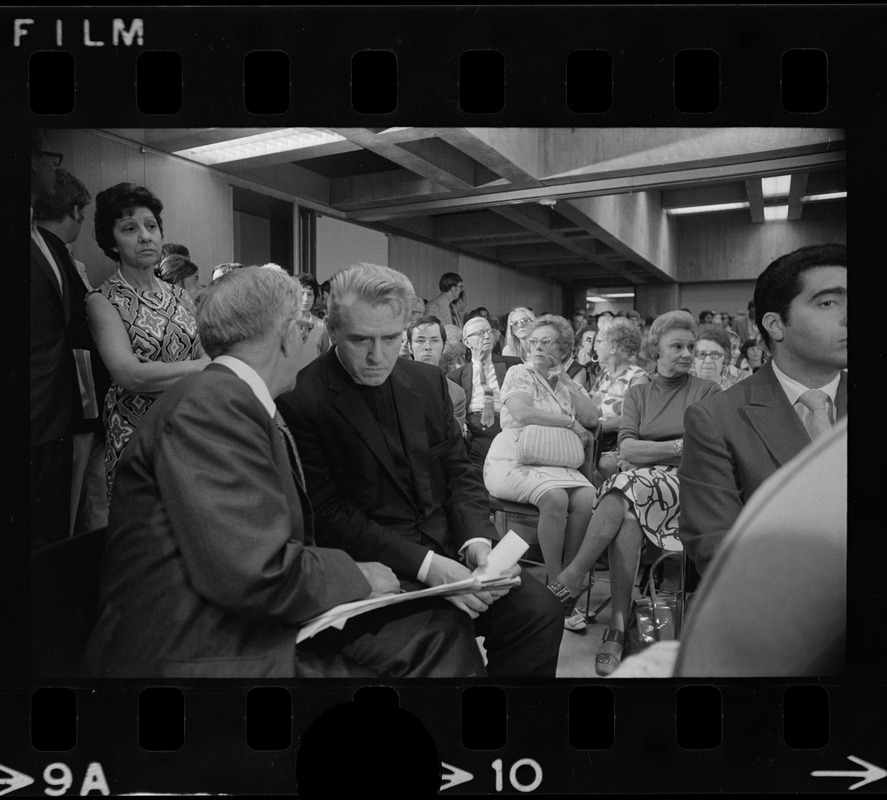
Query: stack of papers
<point>502,557</point>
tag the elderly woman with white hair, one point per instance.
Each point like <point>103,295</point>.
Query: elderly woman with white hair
<point>642,500</point>
<point>537,393</point>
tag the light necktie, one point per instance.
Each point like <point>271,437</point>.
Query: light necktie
<point>487,416</point>
<point>290,445</point>
<point>818,421</point>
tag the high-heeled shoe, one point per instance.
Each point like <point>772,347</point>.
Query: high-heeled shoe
<point>605,663</point>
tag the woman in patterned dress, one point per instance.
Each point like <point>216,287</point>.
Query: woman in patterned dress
<point>642,500</point>
<point>539,392</point>
<point>614,348</point>
<point>144,328</point>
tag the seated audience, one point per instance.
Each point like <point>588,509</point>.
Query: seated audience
<point>496,325</point>
<point>517,329</point>
<point>739,438</point>
<point>584,366</point>
<point>318,342</point>
<point>389,476</point>
<point>180,271</point>
<point>539,392</point>
<point>614,349</point>
<point>745,325</point>
<point>417,311</point>
<point>481,380</point>
<point>454,354</point>
<point>211,564</point>
<point>427,338</point>
<point>706,317</point>
<point>480,311</point>
<point>579,319</point>
<point>144,328</point>
<point>712,357</point>
<point>643,499</point>
<point>735,355</point>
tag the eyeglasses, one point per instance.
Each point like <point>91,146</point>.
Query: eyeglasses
<point>713,356</point>
<point>522,323</point>
<point>482,334</point>
<point>543,342</point>
<point>420,342</point>
<point>56,157</point>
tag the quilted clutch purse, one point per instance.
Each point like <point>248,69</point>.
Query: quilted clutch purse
<point>543,445</point>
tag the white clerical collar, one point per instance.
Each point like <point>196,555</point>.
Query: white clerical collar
<point>252,379</point>
<point>794,389</point>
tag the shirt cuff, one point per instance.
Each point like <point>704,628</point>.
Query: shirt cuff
<point>426,565</point>
<point>470,541</point>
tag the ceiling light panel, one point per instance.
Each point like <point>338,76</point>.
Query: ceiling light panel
<point>775,213</point>
<point>706,209</point>
<point>262,144</point>
<point>779,186</point>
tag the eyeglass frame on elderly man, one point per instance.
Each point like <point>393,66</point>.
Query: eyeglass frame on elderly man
<point>57,157</point>
<point>484,332</point>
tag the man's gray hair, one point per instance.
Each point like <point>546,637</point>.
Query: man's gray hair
<point>371,283</point>
<point>246,305</point>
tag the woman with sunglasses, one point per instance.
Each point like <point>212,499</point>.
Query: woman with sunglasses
<point>144,328</point>
<point>539,392</point>
<point>517,331</point>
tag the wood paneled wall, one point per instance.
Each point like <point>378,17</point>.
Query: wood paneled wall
<point>497,288</point>
<point>197,209</point>
<point>724,247</point>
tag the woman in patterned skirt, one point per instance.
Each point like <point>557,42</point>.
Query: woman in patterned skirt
<point>539,392</point>
<point>642,500</point>
<point>144,328</point>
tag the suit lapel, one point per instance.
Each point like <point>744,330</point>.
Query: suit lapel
<point>841,396</point>
<point>40,260</point>
<point>410,414</point>
<point>771,415</point>
<point>354,410</point>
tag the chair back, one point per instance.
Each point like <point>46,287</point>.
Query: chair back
<point>65,581</point>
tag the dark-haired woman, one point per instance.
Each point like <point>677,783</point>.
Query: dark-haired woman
<point>143,327</point>
<point>318,341</point>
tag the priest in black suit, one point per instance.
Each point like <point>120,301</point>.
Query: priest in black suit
<point>389,476</point>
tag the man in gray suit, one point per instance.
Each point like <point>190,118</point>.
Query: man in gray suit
<point>210,565</point>
<point>735,440</point>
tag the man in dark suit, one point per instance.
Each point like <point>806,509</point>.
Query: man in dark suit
<point>59,220</point>
<point>210,565</point>
<point>481,378</point>
<point>389,476</point>
<point>55,396</point>
<point>735,440</point>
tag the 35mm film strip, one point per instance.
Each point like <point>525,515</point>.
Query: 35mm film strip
<point>458,66</point>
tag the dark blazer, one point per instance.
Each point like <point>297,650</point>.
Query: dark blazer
<point>733,441</point>
<point>360,502</point>
<point>465,375</point>
<point>210,563</point>
<point>55,397</point>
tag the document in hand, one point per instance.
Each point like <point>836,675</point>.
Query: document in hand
<point>502,557</point>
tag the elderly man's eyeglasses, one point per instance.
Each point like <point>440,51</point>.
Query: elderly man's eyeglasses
<point>700,356</point>
<point>522,323</point>
<point>544,342</point>
<point>483,334</point>
<point>56,157</point>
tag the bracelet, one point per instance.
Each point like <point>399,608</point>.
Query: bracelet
<point>678,447</point>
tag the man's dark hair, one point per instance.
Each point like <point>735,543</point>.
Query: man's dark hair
<point>70,193</point>
<point>781,282</point>
<point>308,281</point>
<point>174,249</point>
<point>477,313</point>
<point>429,320</point>
<point>448,280</point>
<point>117,202</point>
<point>704,314</point>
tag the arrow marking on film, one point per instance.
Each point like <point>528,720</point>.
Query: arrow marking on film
<point>871,773</point>
<point>453,776</point>
<point>11,780</point>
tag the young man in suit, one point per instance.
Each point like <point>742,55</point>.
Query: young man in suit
<point>389,476</point>
<point>55,396</point>
<point>210,565</point>
<point>481,378</point>
<point>735,440</point>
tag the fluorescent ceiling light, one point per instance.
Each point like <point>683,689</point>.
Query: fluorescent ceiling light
<point>626,294</point>
<point>775,213</point>
<point>595,299</point>
<point>779,186</point>
<point>262,144</point>
<point>811,198</point>
<point>705,209</point>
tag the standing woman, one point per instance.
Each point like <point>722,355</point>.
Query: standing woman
<point>643,499</point>
<point>144,328</point>
<point>318,341</point>
<point>520,321</point>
